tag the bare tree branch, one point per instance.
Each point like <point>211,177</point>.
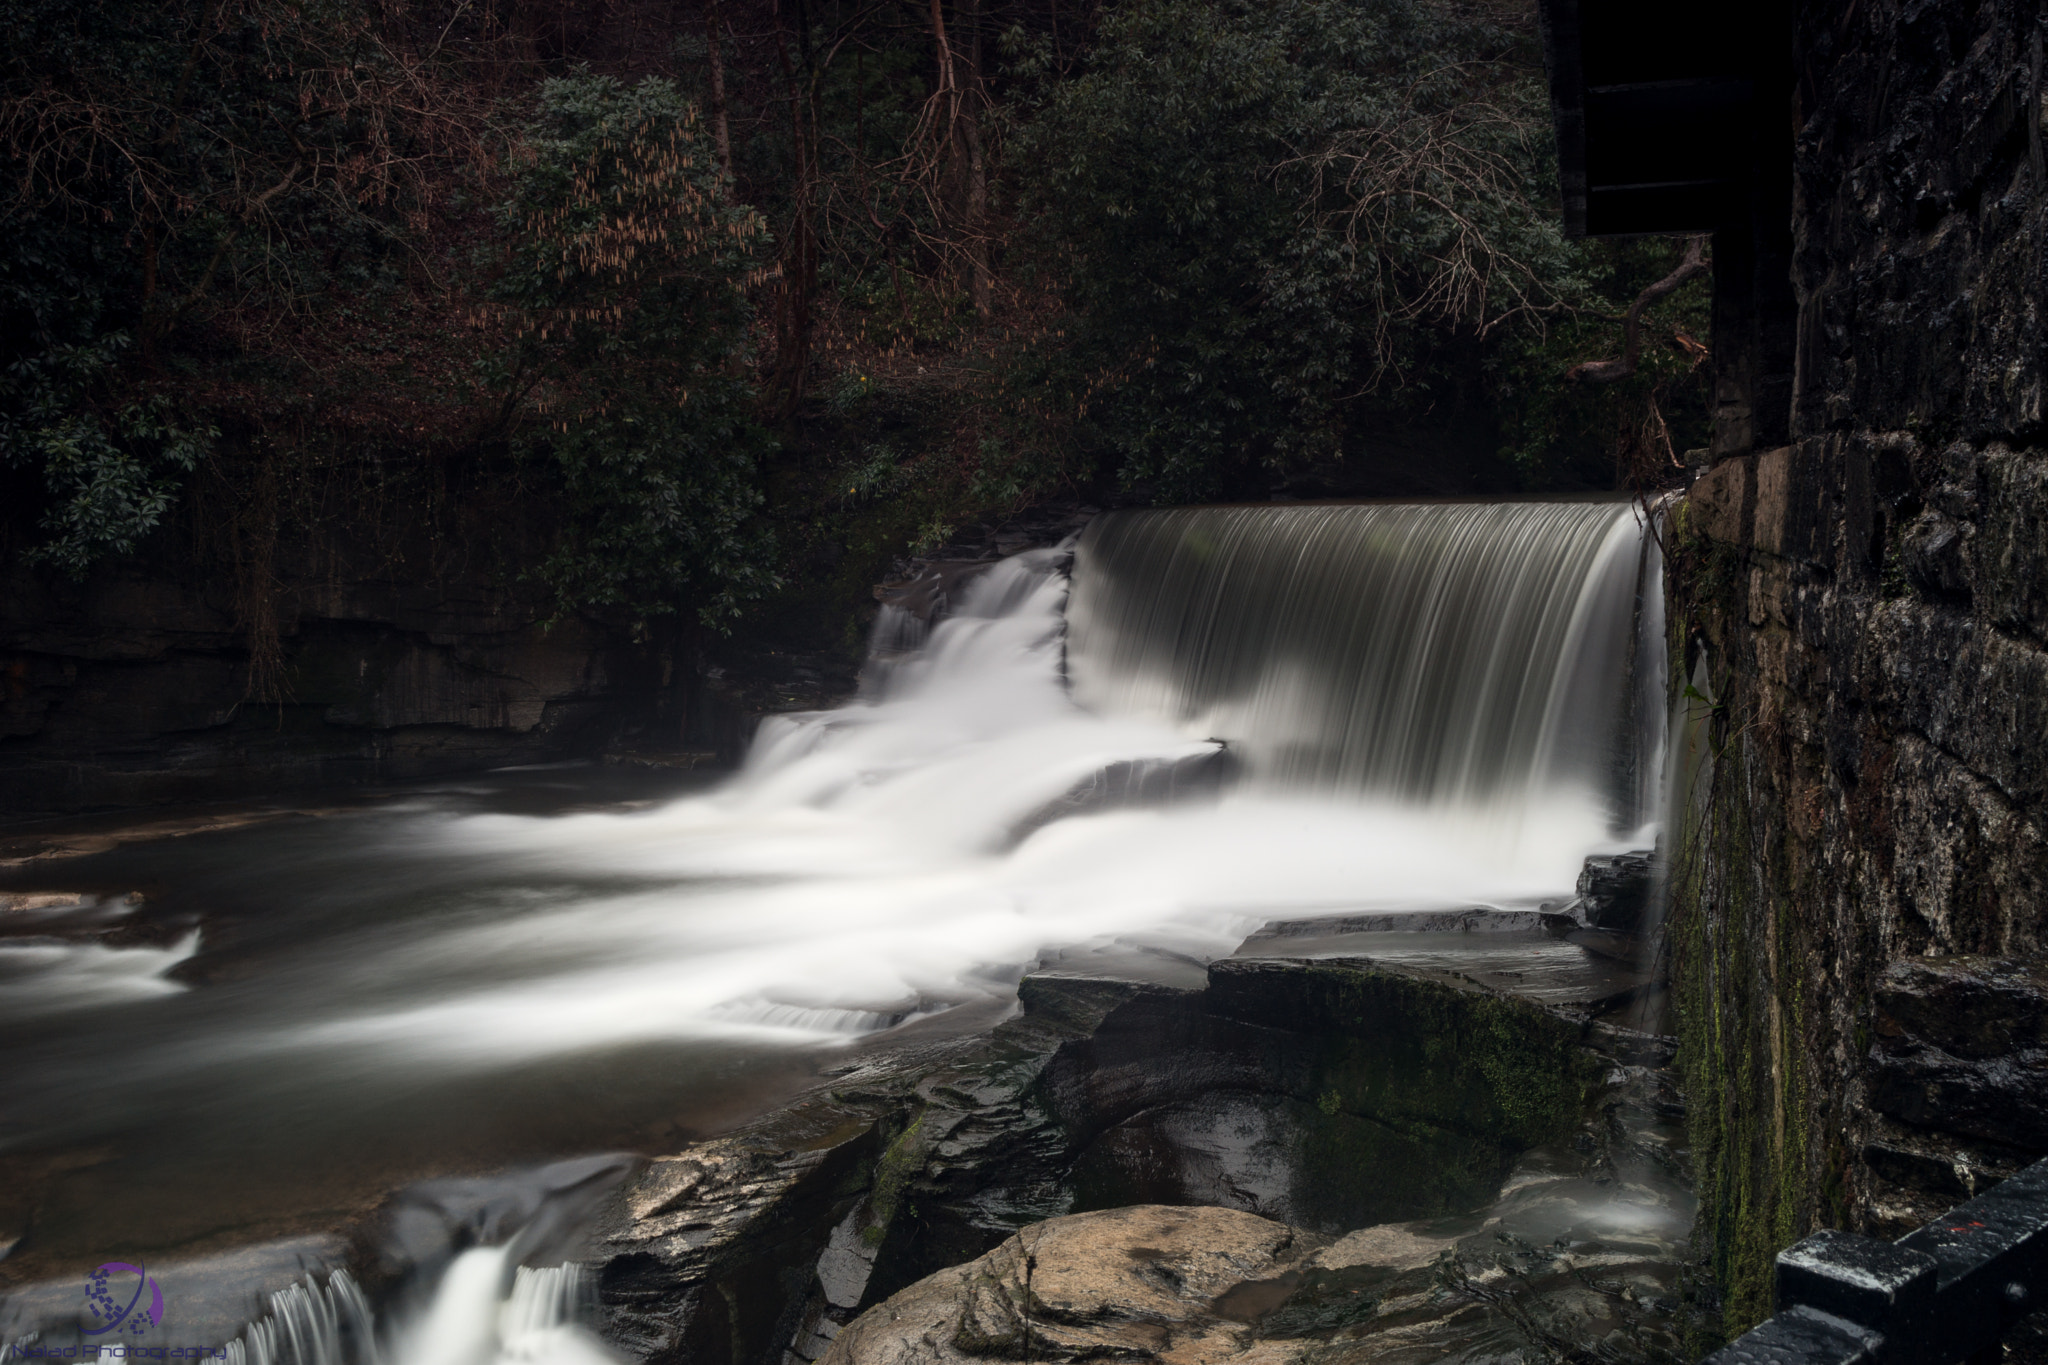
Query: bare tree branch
<point>1444,147</point>
<point>1694,263</point>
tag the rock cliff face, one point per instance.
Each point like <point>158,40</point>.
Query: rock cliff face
<point>1861,620</point>
<point>409,643</point>
<point>135,689</point>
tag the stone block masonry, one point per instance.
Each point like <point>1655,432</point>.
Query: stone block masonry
<point>1862,876</point>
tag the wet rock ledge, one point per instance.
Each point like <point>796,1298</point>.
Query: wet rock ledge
<point>1363,1148</point>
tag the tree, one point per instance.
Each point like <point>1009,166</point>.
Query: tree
<point>1263,210</point>
<point>627,376</point>
<point>1571,411</point>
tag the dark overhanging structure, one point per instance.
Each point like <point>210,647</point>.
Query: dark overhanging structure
<point>1658,114</point>
<point>1671,121</point>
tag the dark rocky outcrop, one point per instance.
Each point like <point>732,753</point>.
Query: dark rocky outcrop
<point>129,690</point>
<point>1328,1094</point>
<point>430,651</point>
<point>770,1239</point>
<point>1957,1082</point>
<point>1135,783</point>
<point>1614,891</point>
<point>1331,1094</point>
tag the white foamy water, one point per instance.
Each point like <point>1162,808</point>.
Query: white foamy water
<point>1452,656</point>
<point>53,977</point>
<point>380,996</point>
<point>901,856</point>
<point>865,868</point>
<point>483,1310</point>
<point>487,1312</point>
<point>313,1322</point>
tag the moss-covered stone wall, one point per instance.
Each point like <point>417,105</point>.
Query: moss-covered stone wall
<point>1859,629</point>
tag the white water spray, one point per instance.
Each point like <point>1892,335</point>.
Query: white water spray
<point>311,1323</point>
<point>916,850</point>
<point>1414,697</point>
<point>484,1311</point>
<point>864,867</point>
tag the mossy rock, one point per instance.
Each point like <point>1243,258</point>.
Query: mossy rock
<point>1334,1093</point>
<point>1419,1052</point>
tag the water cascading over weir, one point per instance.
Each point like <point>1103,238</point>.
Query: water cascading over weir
<point>1477,655</point>
<point>1389,708</point>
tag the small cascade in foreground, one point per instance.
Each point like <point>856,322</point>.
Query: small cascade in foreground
<point>483,1311</point>
<point>311,1323</point>
<point>1479,654</point>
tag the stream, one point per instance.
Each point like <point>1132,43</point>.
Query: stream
<point>248,1035</point>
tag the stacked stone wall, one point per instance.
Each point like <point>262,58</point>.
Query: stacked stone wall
<point>1867,607</point>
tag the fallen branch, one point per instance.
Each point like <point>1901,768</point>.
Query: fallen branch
<point>1695,262</point>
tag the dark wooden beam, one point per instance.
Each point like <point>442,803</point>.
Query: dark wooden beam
<point>1656,112</point>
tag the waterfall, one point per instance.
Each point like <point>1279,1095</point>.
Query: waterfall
<point>1420,708</point>
<point>311,1323</point>
<point>1123,755</point>
<point>1438,654</point>
<point>483,1311</point>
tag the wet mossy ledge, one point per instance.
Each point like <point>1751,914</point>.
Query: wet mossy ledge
<point>1361,1092</point>
<point>1327,1094</point>
<point>1419,1050</point>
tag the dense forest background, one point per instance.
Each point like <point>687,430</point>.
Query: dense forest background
<point>684,310</point>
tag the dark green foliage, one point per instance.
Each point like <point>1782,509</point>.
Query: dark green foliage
<point>267,218</point>
<point>629,379</point>
<point>255,151</point>
<point>109,464</point>
<point>1260,210</point>
<point>1554,428</point>
<point>1167,249</point>
<point>188,184</point>
<point>109,476</point>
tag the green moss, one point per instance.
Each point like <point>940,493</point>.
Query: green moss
<point>1893,582</point>
<point>1415,1052</point>
<point>903,1159</point>
<point>1740,986</point>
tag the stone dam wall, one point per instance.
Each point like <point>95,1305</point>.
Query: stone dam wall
<point>1861,616</point>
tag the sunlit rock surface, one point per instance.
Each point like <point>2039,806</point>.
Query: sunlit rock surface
<point>1205,1286</point>
<point>1151,1282</point>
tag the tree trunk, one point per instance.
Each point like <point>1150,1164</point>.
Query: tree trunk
<point>720,128</point>
<point>1695,262</point>
<point>951,138</point>
<point>977,168</point>
<point>949,87</point>
<point>800,253</point>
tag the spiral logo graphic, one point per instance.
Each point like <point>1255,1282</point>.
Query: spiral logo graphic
<point>105,1289</point>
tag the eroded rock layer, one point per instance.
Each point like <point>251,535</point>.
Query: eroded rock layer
<point>1280,1110</point>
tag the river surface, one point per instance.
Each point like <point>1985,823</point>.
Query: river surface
<point>258,1028</point>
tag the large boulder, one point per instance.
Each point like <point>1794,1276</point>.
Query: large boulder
<point>1150,1282</point>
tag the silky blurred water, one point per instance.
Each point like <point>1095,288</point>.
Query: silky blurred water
<point>329,1006</point>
